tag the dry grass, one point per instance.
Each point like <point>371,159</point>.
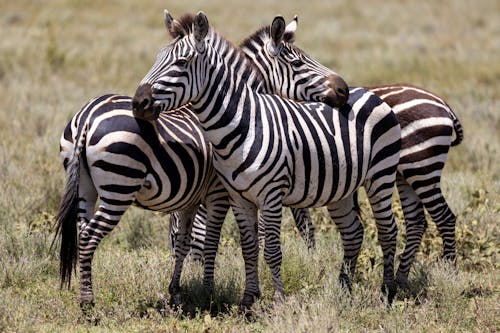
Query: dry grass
<point>56,55</point>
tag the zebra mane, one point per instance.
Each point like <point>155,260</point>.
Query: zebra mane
<point>184,26</point>
<point>224,46</point>
<point>265,33</point>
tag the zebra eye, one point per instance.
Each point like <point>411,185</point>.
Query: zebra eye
<point>181,62</point>
<point>297,63</point>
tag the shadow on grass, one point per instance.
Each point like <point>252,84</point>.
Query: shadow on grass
<point>417,287</point>
<point>196,300</point>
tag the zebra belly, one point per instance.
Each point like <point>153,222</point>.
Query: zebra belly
<point>319,191</point>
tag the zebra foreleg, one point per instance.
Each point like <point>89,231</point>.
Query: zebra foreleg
<point>181,248</point>
<point>415,227</point>
<point>346,219</point>
<point>217,204</point>
<point>245,214</point>
<point>199,234</point>
<point>271,217</point>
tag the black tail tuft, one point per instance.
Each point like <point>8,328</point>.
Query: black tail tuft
<point>66,224</point>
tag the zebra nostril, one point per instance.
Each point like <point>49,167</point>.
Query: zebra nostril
<point>341,92</point>
<point>135,105</point>
<point>144,104</point>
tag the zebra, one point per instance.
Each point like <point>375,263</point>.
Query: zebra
<point>165,165</point>
<point>427,124</point>
<point>270,151</point>
<point>108,154</point>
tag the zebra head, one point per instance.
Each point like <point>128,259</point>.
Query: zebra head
<point>290,72</point>
<point>176,77</point>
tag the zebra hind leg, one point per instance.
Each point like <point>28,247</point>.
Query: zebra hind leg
<point>345,216</point>
<point>445,220</point>
<point>305,226</point>
<point>381,201</point>
<point>91,234</point>
<point>416,225</point>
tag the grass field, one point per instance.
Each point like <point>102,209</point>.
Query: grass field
<point>56,55</point>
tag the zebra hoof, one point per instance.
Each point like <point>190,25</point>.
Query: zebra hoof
<point>402,281</point>
<point>345,282</point>
<point>278,298</point>
<point>88,314</point>
<point>389,290</point>
<point>209,286</point>
<point>248,300</point>
<point>451,259</point>
<point>176,300</point>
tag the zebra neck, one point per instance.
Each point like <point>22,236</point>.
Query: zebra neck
<point>227,83</point>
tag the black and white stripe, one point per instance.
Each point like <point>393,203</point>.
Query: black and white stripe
<point>117,161</point>
<point>111,155</point>
<point>427,124</point>
<point>271,152</point>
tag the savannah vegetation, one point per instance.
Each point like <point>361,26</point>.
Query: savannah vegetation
<point>56,55</point>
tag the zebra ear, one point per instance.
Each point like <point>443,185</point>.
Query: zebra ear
<point>200,30</point>
<point>290,29</point>
<point>173,26</point>
<point>277,32</point>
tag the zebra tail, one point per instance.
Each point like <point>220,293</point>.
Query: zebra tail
<point>457,127</point>
<point>66,219</point>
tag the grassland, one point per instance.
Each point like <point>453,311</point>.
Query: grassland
<point>55,55</point>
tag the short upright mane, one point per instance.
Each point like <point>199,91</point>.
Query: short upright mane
<point>184,26</point>
<point>224,45</point>
<point>264,32</point>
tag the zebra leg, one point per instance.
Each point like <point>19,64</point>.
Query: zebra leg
<point>173,229</point>
<point>181,249</point>
<point>198,233</point>
<point>87,199</point>
<point>415,227</point>
<point>380,198</point>
<point>245,214</point>
<point>197,236</point>
<point>305,226</point>
<point>104,220</point>
<point>217,206</point>
<point>441,214</point>
<point>271,217</point>
<point>262,232</point>
<point>351,230</point>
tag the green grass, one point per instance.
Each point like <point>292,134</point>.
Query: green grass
<point>55,56</point>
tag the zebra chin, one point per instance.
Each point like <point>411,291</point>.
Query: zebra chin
<point>150,114</point>
<point>332,99</point>
<point>337,93</point>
